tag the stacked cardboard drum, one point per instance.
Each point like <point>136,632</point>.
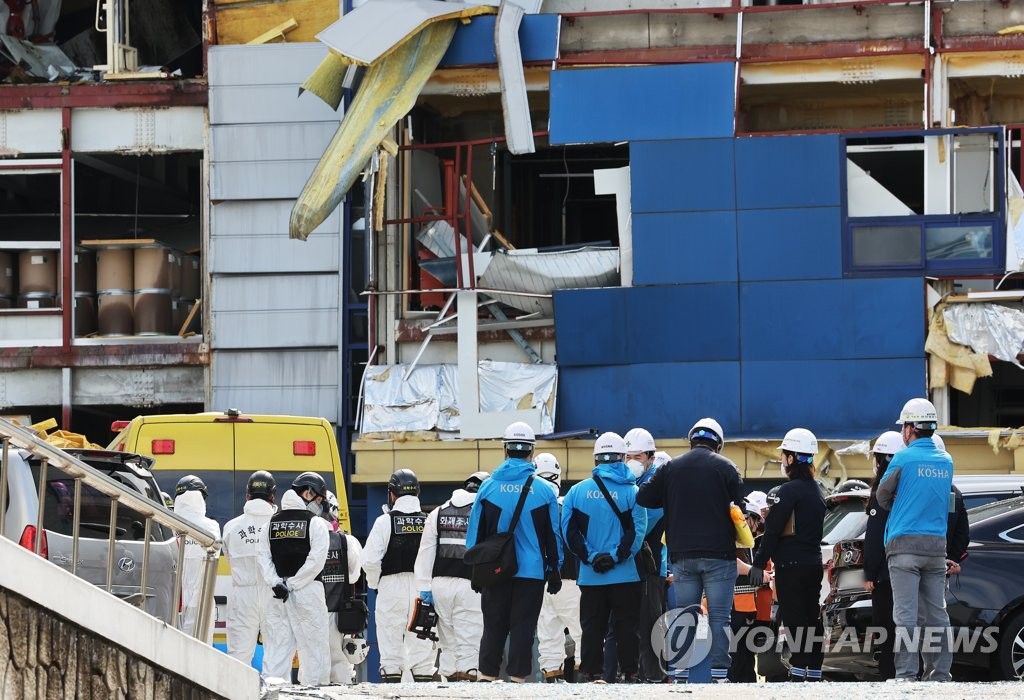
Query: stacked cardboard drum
<point>155,269</point>
<point>85,292</point>
<point>6,280</point>
<point>37,279</point>
<point>115,290</point>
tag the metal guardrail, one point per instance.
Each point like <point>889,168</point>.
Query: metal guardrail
<point>13,436</point>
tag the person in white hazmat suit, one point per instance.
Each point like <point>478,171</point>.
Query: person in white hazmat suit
<point>560,611</point>
<point>341,573</point>
<point>292,557</point>
<point>389,558</point>
<point>190,503</point>
<point>443,581</point>
<point>250,595</point>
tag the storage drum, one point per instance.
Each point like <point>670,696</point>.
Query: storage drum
<point>37,272</point>
<point>85,314</point>
<point>6,274</point>
<point>154,267</point>
<point>85,271</point>
<point>115,269</point>
<point>115,310</point>
<point>6,301</point>
<point>153,311</point>
<point>190,278</point>
<point>37,300</point>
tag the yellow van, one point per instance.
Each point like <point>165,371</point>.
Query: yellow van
<point>223,449</point>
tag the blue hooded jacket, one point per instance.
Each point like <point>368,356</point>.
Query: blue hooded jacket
<point>590,526</point>
<point>655,528</point>
<point>916,490</point>
<point>538,546</point>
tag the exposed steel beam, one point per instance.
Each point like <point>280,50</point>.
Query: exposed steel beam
<point>114,95</point>
<point>112,354</point>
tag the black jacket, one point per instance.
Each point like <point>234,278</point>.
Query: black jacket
<point>800,499</point>
<point>958,530</point>
<point>696,490</point>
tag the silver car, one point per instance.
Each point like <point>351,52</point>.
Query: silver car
<point>130,470</point>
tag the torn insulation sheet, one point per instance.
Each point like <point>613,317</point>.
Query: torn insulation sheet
<point>951,363</point>
<point>990,329</point>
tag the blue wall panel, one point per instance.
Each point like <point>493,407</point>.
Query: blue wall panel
<point>832,319</point>
<point>608,326</point>
<point>835,398</point>
<point>473,43</point>
<point>784,244</point>
<point>664,398</point>
<point>641,103</point>
<point>682,175</point>
<point>774,172</point>
<point>684,247</point>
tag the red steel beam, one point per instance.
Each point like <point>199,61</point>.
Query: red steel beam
<point>154,354</point>
<point>116,95</point>
<point>67,247</point>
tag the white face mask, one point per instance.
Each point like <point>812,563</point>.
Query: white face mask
<point>314,507</point>
<point>782,468</point>
<point>636,467</point>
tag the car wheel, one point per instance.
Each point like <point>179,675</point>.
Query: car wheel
<point>1011,648</point>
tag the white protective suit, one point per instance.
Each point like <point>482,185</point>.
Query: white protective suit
<point>341,669</point>
<point>400,650</point>
<point>300,623</point>
<point>460,624</point>
<point>250,595</point>
<point>192,506</point>
<point>558,612</point>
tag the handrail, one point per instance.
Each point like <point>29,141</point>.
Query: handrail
<point>15,436</point>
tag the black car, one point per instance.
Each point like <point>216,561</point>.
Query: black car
<point>985,600</point>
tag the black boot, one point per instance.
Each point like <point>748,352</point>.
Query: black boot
<point>390,677</point>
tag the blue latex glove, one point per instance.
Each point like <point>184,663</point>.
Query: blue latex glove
<point>427,597</point>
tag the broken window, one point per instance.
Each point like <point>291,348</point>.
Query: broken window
<point>541,201</point>
<point>48,40</point>
<point>925,201</point>
<point>30,196</point>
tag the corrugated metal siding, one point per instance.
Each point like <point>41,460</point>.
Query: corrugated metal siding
<point>291,382</point>
<point>270,295</point>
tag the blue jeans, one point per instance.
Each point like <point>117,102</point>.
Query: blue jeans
<point>919,605</point>
<point>713,579</point>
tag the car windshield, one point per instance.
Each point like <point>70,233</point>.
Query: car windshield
<point>989,510</point>
<point>226,488</point>
<point>844,520</point>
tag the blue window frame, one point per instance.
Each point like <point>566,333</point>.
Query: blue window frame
<point>946,243</point>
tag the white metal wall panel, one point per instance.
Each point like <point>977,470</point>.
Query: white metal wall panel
<point>265,179</point>
<point>267,104</point>
<point>30,131</point>
<point>165,129</point>
<point>297,382</point>
<point>30,387</point>
<point>253,237</point>
<point>137,386</point>
<point>265,64</point>
<point>275,311</point>
<point>255,142</point>
<point>26,330</point>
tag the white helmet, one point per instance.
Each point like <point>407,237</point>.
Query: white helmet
<point>610,447</point>
<point>888,443</point>
<point>756,500</point>
<point>801,441</point>
<point>355,649</point>
<point>639,440</point>
<point>918,411</point>
<point>549,469</point>
<point>938,442</point>
<point>707,429</point>
<point>520,436</point>
<point>661,459</point>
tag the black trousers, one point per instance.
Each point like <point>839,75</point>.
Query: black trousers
<point>510,610</point>
<point>749,634</point>
<point>881,616</point>
<point>652,606</point>
<point>798,588</point>
<point>620,604</point>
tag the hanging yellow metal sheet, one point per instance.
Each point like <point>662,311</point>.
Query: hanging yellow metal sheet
<point>389,90</point>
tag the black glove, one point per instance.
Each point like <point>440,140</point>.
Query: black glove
<point>756,577</point>
<point>554,582</point>
<point>281,592</point>
<point>602,563</point>
<point>475,588</point>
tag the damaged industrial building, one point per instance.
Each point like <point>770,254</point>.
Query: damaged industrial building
<point>422,220</point>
